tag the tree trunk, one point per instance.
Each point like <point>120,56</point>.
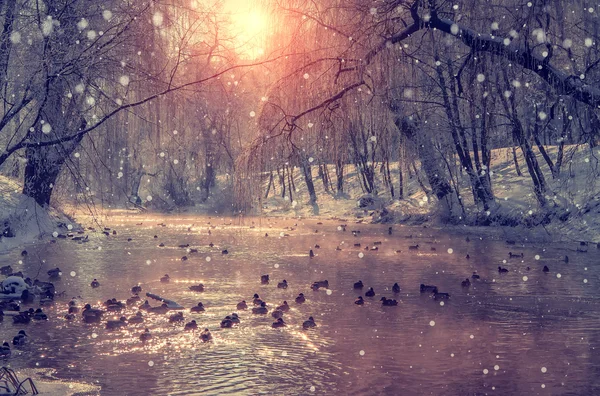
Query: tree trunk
<point>339,173</point>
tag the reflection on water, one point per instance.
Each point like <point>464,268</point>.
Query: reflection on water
<point>514,333</point>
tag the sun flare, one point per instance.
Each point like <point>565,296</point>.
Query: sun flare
<point>250,26</point>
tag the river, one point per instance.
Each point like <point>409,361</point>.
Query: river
<point>521,332</point>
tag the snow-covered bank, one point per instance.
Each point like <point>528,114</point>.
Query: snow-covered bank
<point>576,191</point>
<point>23,220</point>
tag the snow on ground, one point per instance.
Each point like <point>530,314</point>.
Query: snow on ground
<point>22,220</point>
<point>577,189</point>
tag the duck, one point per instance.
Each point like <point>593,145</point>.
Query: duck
<point>198,308</point>
<point>502,270</point>
<point>165,279</point>
<point>146,335</point>
<point>227,322</point>
<point>257,300</point>
<point>54,273</point>
<point>309,324</point>
<point>396,288</point>
<point>370,292</point>
<point>282,285</point>
<point>277,314</point>
<point>205,336</point>
<point>91,315</point>
<point>566,259</point>
<point>467,257</point>
<point>20,338</point>
<point>440,296</point>
<point>475,276</point>
<point>39,315</point>
<point>178,317</point>
<point>224,251</point>
<point>546,269</point>
<point>359,301</point>
<point>466,283</point>
<point>284,307</point>
<point>162,309</point>
<point>388,302</point>
<point>7,269</point>
<point>515,255</point>
<point>22,318</point>
<point>300,299</point>
<point>235,318</point>
<point>137,289</point>
<point>137,318</point>
<point>114,305</point>
<point>318,284</point>
<point>264,279</point>
<point>428,288</point>
<point>358,285</point>
<point>5,350</point>
<point>95,283</point>
<point>262,310</point>
<point>242,305</point>
<point>116,324</point>
<point>26,296</point>
<point>190,326</point>
<point>133,299</point>
<point>197,288</point>
<point>278,324</point>
<point>413,247</point>
<point>311,254</point>
<point>145,306</point>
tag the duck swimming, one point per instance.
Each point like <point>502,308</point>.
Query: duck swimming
<point>20,338</point>
<point>440,296</point>
<point>133,299</point>
<point>116,324</point>
<point>466,283</point>
<point>358,285</point>
<point>475,276</point>
<point>546,269</point>
<point>388,302</point>
<point>318,284</point>
<point>5,350</point>
<point>262,310</point>
<point>227,323</point>
<point>428,288</point>
<point>137,318</point>
<point>279,323</point>
<point>39,315</point>
<point>359,301</point>
<point>91,315</point>
<point>165,279</point>
<point>191,326</point>
<point>264,279</point>
<point>282,285</point>
<point>300,299</point>
<point>197,288</point>
<point>277,314</point>
<point>198,308</point>
<point>396,288</point>
<point>284,307</point>
<point>309,324</point>
<point>205,336</point>
<point>95,283</point>
<point>145,336</point>
<point>178,317</point>
<point>136,289</point>
<point>370,292</point>
<point>242,305</point>
<point>145,306</point>
<point>54,273</point>
<point>257,300</point>
<point>502,270</point>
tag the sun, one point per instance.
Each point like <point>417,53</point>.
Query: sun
<point>250,26</point>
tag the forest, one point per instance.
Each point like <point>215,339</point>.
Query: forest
<point>155,104</point>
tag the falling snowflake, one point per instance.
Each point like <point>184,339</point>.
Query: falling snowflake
<point>157,19</point>
<point>91,35</point>
<point>55,234</point>
<point>276,266</point>
<point>94,335</point>
<point>76,155</point>
<point>46,128</point>
<point>124,80</point>
<point>107,15</point>
<point>148,262</point>
<point>329,292</point>
<point>537,257</point>
<point>252,114</point>
<point>149,198</point>
<point>15,37</point>
<point>361,255</point>
<point>150,363</point>
<point>361,353</point>
<point>306,76</point>
<point>558,276</point>
<point>525,278</point>
<point>432,323</point>
<point>208,259</point>
<point>450,250</point>
<point>485,371</point>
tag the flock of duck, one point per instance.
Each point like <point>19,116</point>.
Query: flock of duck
<point>89,314</point>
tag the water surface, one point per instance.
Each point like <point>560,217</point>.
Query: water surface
<point>503,336</point>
